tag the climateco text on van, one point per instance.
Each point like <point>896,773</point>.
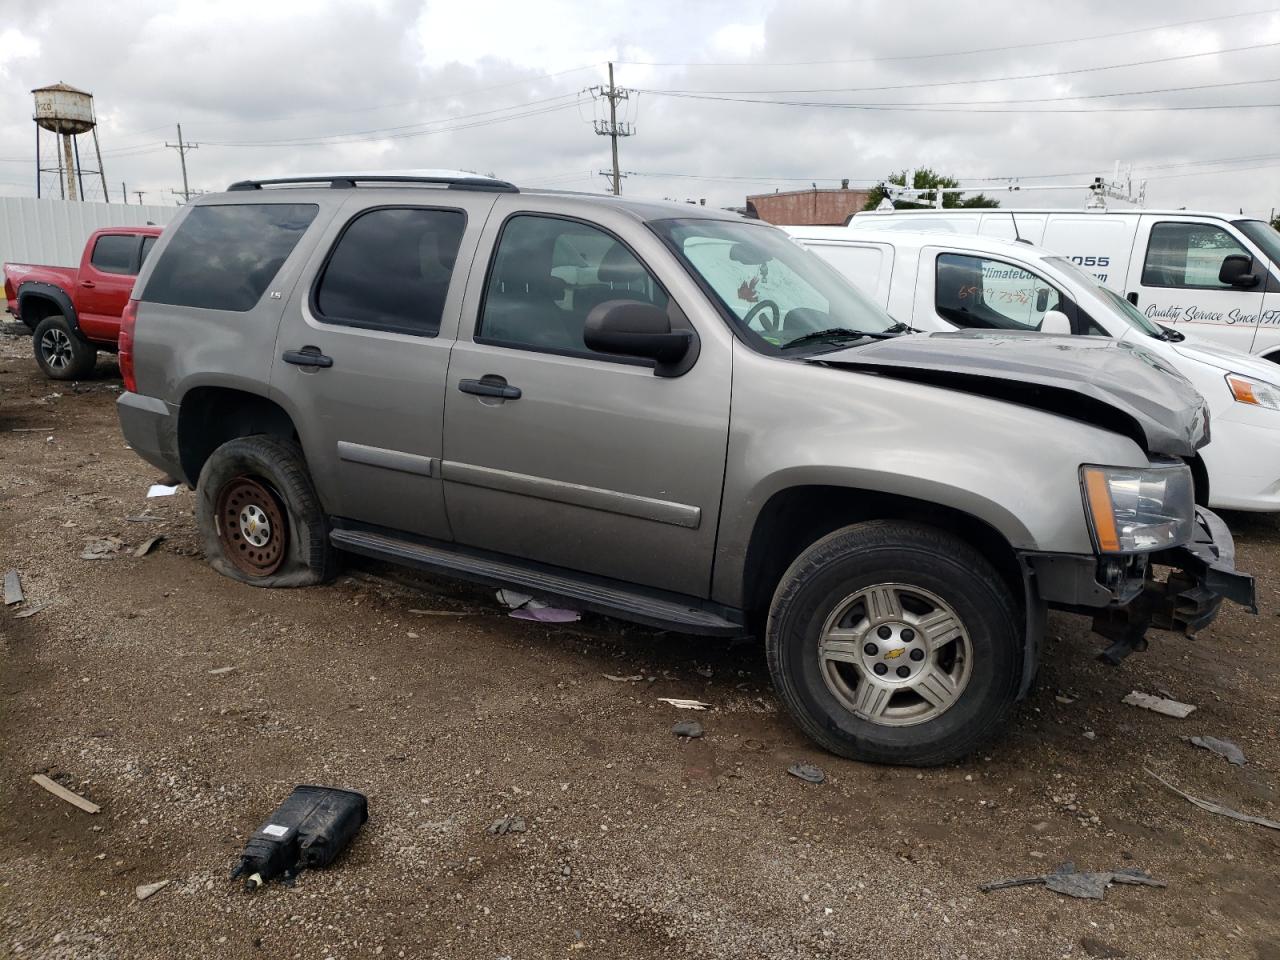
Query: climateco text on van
<point>1214,277</point>
<point>949,282</point>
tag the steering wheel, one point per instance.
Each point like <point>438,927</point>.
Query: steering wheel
<point>770,327</point>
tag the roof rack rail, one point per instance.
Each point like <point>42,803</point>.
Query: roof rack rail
<point>349,181</point>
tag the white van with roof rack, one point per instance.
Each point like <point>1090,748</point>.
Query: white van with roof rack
<point>1209,275</point>
<point>947,282</point>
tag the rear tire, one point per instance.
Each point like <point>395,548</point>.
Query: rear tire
<point>61,353</point>
<point>896,643</point>
<point>259,517</point>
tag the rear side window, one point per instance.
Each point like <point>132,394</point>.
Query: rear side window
<point>1188,255</point>
<point>974,292</point>
<point>390,270</point>
<point>225,257</point>
<point>147,244</point>
<point>114,253</point>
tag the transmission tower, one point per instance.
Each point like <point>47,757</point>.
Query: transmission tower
<point>612,128</point>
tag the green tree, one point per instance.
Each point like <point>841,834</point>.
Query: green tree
<point>926,179</point>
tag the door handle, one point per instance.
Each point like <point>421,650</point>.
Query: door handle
<point>1133,297</point>
<point>307,357</point>
<point>490,385</point>
<point>87,283</point>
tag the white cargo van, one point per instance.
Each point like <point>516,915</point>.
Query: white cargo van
<point>1203,271</point>
<point>937,282</point>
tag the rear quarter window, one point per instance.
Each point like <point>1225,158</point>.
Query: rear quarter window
<point>223,257</point>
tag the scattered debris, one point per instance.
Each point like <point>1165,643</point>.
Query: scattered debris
<point>1090,735</point>
<point>807,772</point>
<point>147,545</point>
<point>220,671</point>
<point>1067,880</point>
<point>143,518</point>
<point>144,890</point>
<point>1065,698</point>
<point>1170,708</point>
<point>524,607</point>
<point>1217,807</point>
<point>634,678</point>
<point>1223,748</point>
<point>12,588</point>
<point>443,613</point>
<point>30,610</point>
<point>706,671</point>
<point>311,827</point>
<point>103,549</point>
<point>162,490</point>
<point>507,824</point>
<point>62,793</point>
<point>680,704</point>
<point>542,613</point>
<point>31,429</point>
<point>688,728</point>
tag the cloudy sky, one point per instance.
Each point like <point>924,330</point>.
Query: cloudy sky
<point>1053,93</point>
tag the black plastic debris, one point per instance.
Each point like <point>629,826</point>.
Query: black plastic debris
<point>807,772</point>
<point>311,827</point>
<point>1067,880</point>
<point>691,729</point>
<point>1223,748</point>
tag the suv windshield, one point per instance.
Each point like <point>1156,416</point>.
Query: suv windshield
<point>1131,314</point>
<point>1264,235</point>
<point>775,291</point>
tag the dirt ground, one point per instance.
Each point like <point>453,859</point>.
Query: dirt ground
<point>639,844</point>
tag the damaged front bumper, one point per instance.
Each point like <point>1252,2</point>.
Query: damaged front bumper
<point>1126,599</point>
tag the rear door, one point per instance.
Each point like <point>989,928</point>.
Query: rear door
<point>1100,243</point>
<point>593,463</point>
<point>105,281</point>
<point>1174,277</point>
<point>363,350</point>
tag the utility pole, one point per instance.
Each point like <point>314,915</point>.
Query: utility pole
<point>138,194</point>
<point>182,149</point>
<point>124,192</point>
<point>612,128</point>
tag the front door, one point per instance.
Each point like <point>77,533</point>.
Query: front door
<point>1174,279</point>
<point>560,455</point>
<point>106,280</point>
<point>362,353</point>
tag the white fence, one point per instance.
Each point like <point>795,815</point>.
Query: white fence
<point>53,232</point>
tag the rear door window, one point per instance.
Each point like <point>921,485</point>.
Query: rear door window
<point>390,270</point>
<point>980,293</point>
<point>115,253</point>
<point>1188,255</point>
<point>147,244</point>
<point>223,257</point>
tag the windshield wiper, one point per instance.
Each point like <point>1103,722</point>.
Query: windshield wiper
<point>837,334</point>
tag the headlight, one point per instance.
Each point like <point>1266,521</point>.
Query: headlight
<point>1138,510</point>
<point>1258,393</point>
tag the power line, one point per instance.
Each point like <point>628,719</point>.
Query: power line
<point>957,53</point>
<point>951,83</point>
<point>974,106</point>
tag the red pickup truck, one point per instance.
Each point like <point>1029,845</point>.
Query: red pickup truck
<point>74,313</point>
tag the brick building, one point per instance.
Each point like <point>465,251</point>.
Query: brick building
<point>808,208</point>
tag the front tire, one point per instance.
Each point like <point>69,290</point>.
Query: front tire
<point>896,643</point>
<point>61,353</point>
<point>259,517</point>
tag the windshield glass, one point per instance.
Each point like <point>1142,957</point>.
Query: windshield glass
<point>1264,235</point>
<point>774,289</point>
<point>1131,314</point>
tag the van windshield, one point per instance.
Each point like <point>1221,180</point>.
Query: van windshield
<point>1264,235</point>
<point>1131,314</point>
<point>775,291</point>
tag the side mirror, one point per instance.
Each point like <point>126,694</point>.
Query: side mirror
<point>632,328</point>
<point>1042,299</point>
<point>1055,321</point>
<point>1237,271</point>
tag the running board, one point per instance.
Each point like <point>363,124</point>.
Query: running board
<point>580,593</point>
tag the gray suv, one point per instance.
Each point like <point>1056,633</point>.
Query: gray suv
<point>671,415</point>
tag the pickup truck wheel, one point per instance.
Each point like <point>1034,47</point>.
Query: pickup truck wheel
<point>895,643</point>
<point>61,352</point>
<point>259,517</point>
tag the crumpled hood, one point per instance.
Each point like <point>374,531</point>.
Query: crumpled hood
<point>1113,384</point>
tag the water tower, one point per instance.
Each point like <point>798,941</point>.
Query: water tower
<point>67,113</point>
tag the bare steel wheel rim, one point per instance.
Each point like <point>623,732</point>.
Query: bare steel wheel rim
<point>895,654</point>
<point>55,346</point>
<point>251,526</point>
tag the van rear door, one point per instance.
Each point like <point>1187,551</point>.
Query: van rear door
<point>1176,275</point>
